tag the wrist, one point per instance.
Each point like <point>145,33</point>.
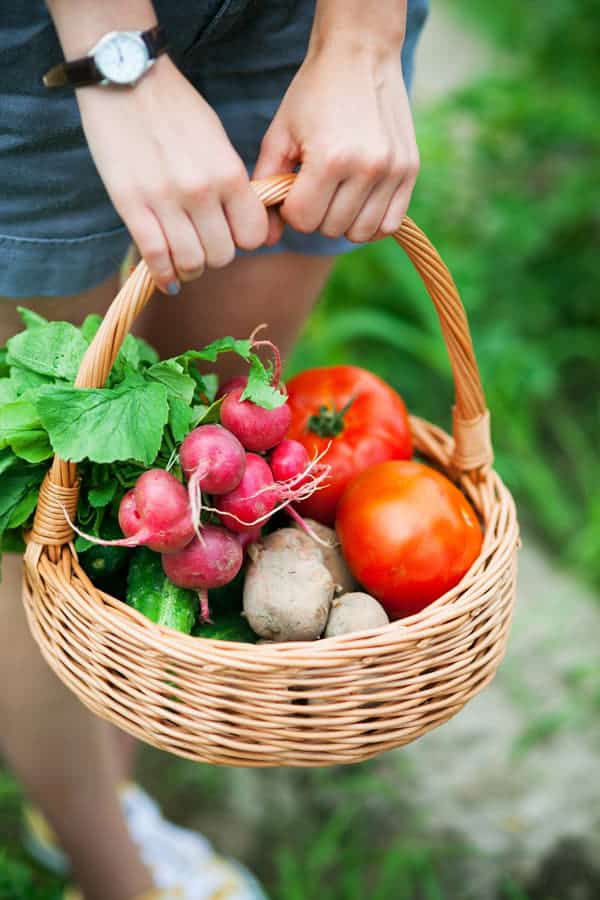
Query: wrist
<point>369,28</point>
<point>81,23</point>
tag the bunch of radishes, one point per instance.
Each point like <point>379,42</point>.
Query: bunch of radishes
<point>239,473</point>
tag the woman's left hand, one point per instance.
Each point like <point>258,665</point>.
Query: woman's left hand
<point>346,120</point>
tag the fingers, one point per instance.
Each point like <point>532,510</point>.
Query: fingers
<point>357,196</point>
<point>377,213</point>
<point>182,229</point>
<point>147,234</point>
<point>278,155</point>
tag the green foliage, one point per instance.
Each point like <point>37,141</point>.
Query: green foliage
<point>509,193</point>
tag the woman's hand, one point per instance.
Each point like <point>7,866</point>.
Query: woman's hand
<point>172,174</point>
<point>346,119</point>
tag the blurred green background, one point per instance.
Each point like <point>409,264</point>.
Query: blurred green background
<point>510,195</point>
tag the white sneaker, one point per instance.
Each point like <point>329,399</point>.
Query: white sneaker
<point>177,857</point>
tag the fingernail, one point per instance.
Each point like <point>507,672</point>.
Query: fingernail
<point>173,288</point>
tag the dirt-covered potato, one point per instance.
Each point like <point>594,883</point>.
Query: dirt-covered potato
<point>355,612</point>
<point>287,593</point>
<point>291,539</point>
<point>332,554</point>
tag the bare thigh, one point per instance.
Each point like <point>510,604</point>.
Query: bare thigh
<point>71,309</point>
<point>279,289</point>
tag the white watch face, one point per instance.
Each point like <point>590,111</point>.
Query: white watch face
<point>121,57</point>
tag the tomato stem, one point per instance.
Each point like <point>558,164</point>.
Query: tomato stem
<point>329,422</point>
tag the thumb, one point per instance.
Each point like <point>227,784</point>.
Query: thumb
<point>278,156</point>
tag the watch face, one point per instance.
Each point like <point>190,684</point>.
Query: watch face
<point>121,57</point>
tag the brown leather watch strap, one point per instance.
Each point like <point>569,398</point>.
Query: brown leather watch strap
<point>77,73</point>
<point>155,40</point>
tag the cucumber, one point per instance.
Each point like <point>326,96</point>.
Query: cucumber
<point>102,562</point>
<point>232,627</point>
<point>151,593</point>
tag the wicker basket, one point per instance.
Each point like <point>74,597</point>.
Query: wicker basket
<point>339,700</point>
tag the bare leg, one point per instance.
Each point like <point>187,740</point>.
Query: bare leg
<point>279,289</point>
<point>65,757</point>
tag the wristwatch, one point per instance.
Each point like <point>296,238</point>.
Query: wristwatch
<point>120,57</point>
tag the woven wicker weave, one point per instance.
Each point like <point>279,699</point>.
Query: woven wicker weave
<point>339,700</point>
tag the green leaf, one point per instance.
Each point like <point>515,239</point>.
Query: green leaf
<point>103,495</point>
<point>4,370</point>
<point>7,459</point>
<point>180,418</point>
<point>21,430</point>
<point>12,542</point>
<point>106,425</point>
<point>90,326</point>
<point>172,375</point>
<point>223,345</point>
<point>54,349</point>
<point>16,484</point>
<point>24,509</point>
<point>30,318</point>
<point>146,353</point>
<point>24,380</point>
<point>17,418</point>
<point>8,391</point>
<point>32,446</point>
<point>207,415</point>
<point>211,385</point>
<point>259,388</point>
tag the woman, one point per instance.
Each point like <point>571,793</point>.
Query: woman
<point>161,154</point>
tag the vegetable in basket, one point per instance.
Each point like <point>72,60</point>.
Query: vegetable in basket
<point>352,417</point>
<point>408,534</point>
<point>151,593</point>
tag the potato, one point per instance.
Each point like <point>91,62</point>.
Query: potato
<point>355,612</point>
<point>287,593</point>
<point>332,555</point>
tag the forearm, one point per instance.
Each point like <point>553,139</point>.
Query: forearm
<point>376,25</point>
<point>80,23</point>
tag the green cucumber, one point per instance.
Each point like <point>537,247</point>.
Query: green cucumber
<point>151,593</point>
<point>232,627</point>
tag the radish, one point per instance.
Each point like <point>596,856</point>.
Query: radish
<point>258,495</point>
<point>213,459</point>
<point>288,460</point>
<point>210,563</point>
<point>257,428</point>
<point>232,384</point>
<point>155,514</point>
<point>253,500</point>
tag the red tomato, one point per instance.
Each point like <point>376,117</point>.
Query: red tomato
<point>359,414</point>
<point>408,534</point>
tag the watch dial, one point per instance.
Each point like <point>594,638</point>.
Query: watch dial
<point>122,58</point>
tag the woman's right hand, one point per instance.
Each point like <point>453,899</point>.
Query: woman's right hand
<point>172,174</point>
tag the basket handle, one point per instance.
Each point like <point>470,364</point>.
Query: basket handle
<point>471,429</point>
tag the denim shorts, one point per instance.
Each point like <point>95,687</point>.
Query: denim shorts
<point>59,233</point>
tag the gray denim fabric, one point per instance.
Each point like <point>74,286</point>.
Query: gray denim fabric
<point>59,233</point>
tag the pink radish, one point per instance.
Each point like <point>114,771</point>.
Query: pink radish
<point>233,383</point>
<point>257,428</point>
<point>155,514</point>
<point>288,460</point>
<point>258,495</point>
<point>213,458</point>
<point>253,500</point>
<point>210,563</point>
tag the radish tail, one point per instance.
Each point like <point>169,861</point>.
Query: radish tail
<point>204,607</point>
<point>295,515</point>
<point>136,540</point>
